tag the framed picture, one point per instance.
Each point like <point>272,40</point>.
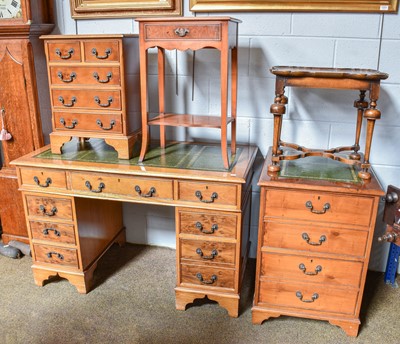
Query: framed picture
<point>370,6</point>
<point>90,9</point>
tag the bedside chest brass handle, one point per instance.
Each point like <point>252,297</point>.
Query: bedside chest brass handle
<point>70,52</point>
<point>214,253</point>
<point>62,101</point>
<point>199,226</point>
<point>107,53</point>
<point>72,126</point>
<point>98,101</point>
<point>300,296</point>
<point>102,81</point>
<point>72,76</point>
<point>214,196</point>
<point>47,230</point>
<point>200,278</point>
<point>59,255</point>
<point>100,124</point>
<point>322,239</point>
<point>303,268</point>
<point>99,188</point>
<point>46,183</point>
<point>151,192</point>
<point>309,205</point>
<point>43,210</point>
<point>181,32</point>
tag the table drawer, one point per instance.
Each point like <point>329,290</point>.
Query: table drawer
<point>56,255</point>
<point>208,224</point>
<point>319,206</point>
<point>182,31</point>
<point>88,75</point>
<point>210,277</point>
<point>207,251</point>
<point>314,297</point>
<point>49,207</point>
<point>211,194</point>
<point>43,179</point>
<point>57,232</point>
<point>86,99</point>
<point>314,238</point>
<point>64,51</point>
<point>311,269</point>
<point>102,51</point>
<point>96,122</point>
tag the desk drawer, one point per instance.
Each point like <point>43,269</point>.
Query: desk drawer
<point>56,255</point>
<point>102,51</point>
<point>182,31</point>
<point>49,207</point>
<point>88,75</point>
<point>321,207</point>
<point>64,51</point>
<point>43,179</point>
<point>57,232</point>
<point>209,277</point>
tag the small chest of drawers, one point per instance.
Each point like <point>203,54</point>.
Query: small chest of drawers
<point>88,78</point>
<point>314,242</point>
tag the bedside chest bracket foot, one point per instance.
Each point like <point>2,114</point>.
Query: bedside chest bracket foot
<point>348,326</point>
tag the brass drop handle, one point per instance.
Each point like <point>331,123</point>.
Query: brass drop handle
<point>47,230</point>
<point>62,101</point>
<point>214,253</point>
<point>181,31</point>
<point>58,255</point>
<point>43,210</point>
<point>151,192</point>
<point>198,194</point>
<point>74,122</point>
<point>299,295</point>
<point>72,76</point>
<point>310,206</point>
<point>303,268</point>
<point>201,279</point>
<point>102,81</point>
<point>199,226</point>
<point>100,124</point>
<point>46,183</point>
<point>306,237</point>
<point>99,188</point>
<point>107,53</point>
<point>98,101</point>
<point>70,52</point>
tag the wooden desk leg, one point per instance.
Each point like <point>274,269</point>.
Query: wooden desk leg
<point>143,100</point>
<point>161,91</point>
<point>361,104</point>
<point>234,80</point>
<point>224,105</point>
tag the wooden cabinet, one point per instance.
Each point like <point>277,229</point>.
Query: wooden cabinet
<point>190,33</point>
<point>88,77</point>
<point>314,243</point>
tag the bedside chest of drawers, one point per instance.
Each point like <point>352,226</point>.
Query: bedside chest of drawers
<point>88,78</point>
<point>316,227</point>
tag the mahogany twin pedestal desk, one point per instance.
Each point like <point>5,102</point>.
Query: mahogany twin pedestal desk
<point>73,208</point>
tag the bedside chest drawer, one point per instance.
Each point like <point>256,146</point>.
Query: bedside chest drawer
<point>56,255</point>
<point>43,179</point>
<point>65,51</point>
<point>49,207</point>
<point>57,232</point>
<point>182,31</point>
<point>88,75</point>
<point>209,277</point>
<point>102,51</point>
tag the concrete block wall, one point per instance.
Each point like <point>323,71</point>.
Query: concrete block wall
<point>315,118</point>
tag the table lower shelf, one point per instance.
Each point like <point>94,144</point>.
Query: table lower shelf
<point>185,120</point>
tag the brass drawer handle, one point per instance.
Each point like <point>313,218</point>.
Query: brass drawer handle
<point>43,210</point>
<point>107,53</point>
<point>46,183</point>
<point>299,295</point>
<point>47,230</point>
<point>198,194</point>
<point>199,226</point>
<point>214,253</point>
<point>99,188</point>
<point>100,124</point>
<point>58,255</point>
<point>62,101</point>
<point>322,239</point>
<point>303,268</point>
<point>72,76</point>
<point>310,206</point>
<point>102,81</point>
<point>98,101</point>
<point>181,32</point>
<point>72,126</point>
<point>211,281</point>
<point>70,52</point>
<point>151,192</point>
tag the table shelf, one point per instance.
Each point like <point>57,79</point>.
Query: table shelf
<point>186,120</point>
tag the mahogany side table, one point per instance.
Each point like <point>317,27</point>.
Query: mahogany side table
<point>364,80</point>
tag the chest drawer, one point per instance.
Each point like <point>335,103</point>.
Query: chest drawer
<point>207,251</point>
<point>46,179</point>
<point>66,51</point>
<point>102,51</point>
<point>89,75</point>
<point>182,31</point>
<point>321,207</point>
<point>56,255</point>
<point>213,277</point>
<point>311,269</point>
<point>57,232</point>
<point>315,238</point>
<point>49,207</point>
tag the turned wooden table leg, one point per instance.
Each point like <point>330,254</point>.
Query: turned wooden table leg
<point>143,100</point>
<point>361,104</point>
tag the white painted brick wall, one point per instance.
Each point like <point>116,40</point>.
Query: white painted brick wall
<point>315,118</point>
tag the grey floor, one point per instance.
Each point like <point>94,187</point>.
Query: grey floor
<point>133,301</point>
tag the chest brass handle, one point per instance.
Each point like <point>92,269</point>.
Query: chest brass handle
<point>310,206</point>
<point>100,124</point>
<point>70,52</point>
<point>102,81</point>
<point>202,280</point>
<point>107,53</point>
<point>47,230</point>
<point>43,210</point>
<point>72,76</point>
<point>46,183</point>
<point>72,126</point>
<point>58,255</point>
<point>99,188</point>
<point>98,101</point>
<point>199,226</point>
<point>299,295</point>
<point>151,192</point>
<point>306,237</point>
<point>181,31</point>
<point>62,101</point>
<point>303,268</point>
<point>214,253</point>
<point>198,194</point>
